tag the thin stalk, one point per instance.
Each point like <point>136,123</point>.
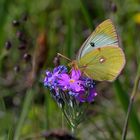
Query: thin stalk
<point>73,129</point>
<point>133,94</point>
<point>66,116</point>
<point>47,112</point>
<point>25,110</point>
<point>62,120</point>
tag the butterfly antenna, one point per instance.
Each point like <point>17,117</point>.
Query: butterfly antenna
<point>64,57</point>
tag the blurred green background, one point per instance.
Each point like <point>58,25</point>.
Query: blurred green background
<point>31,33</point>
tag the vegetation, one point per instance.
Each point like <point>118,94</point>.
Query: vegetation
<point>31,34</point>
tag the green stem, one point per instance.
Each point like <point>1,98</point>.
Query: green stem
<point>25,110</point>
<point>73,130</point>
<point>70,122</point>
<point>133,94</point>
<point>67,118</point>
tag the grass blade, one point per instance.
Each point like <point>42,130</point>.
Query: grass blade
<point>25,110</point>
<point>124,100</point>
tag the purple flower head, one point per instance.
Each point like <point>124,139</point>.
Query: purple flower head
<point>71,82</point>
<point>60,69</point>
<point>88,83</point>
<point>51,78</point>
<point>87,96</point>
<point>90,92</point>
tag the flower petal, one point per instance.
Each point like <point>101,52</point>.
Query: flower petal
<point>81,97</point>
<point>75,87</point>
<point>60,69</point>
<point>87,97</point>
<point>75,74</point>
<point>92,95</point>
<point>63,81</point>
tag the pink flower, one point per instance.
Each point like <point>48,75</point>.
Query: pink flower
<point>71,82</point>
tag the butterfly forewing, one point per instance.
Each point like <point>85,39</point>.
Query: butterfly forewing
<point>104,35</point>
<point>103,64</point>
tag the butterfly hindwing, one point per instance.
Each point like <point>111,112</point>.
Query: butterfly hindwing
<point>103,64</point>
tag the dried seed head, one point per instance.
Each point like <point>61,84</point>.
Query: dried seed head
<point>15,23</point>
<point>8,45</point>
<point>19,35</point>
<point>114,7</point>
<point>27,57</point>
<point>22,46</point>
<point>56,61</point>
<point>24,17</point>
<point>17,68</point>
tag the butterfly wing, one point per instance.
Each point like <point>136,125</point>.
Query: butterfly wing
<point>103,64</point>
<point>104,35</point>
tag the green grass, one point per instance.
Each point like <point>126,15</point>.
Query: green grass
<point>26,111</point>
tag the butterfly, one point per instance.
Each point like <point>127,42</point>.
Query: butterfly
<point>100,56</point>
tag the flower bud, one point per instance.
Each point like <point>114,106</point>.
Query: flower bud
<point>60,102</point>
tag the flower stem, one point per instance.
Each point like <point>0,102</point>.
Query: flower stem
<point>71,121</point>
<point>133,94</point>
<point>73,130</point>
<point>67,118</point>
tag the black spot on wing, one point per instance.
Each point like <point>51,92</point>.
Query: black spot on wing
<point>92,44</point>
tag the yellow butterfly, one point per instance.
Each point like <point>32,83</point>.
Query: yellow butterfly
<point>100,56</point>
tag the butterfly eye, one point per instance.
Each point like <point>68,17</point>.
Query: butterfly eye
<point>92,44</point>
